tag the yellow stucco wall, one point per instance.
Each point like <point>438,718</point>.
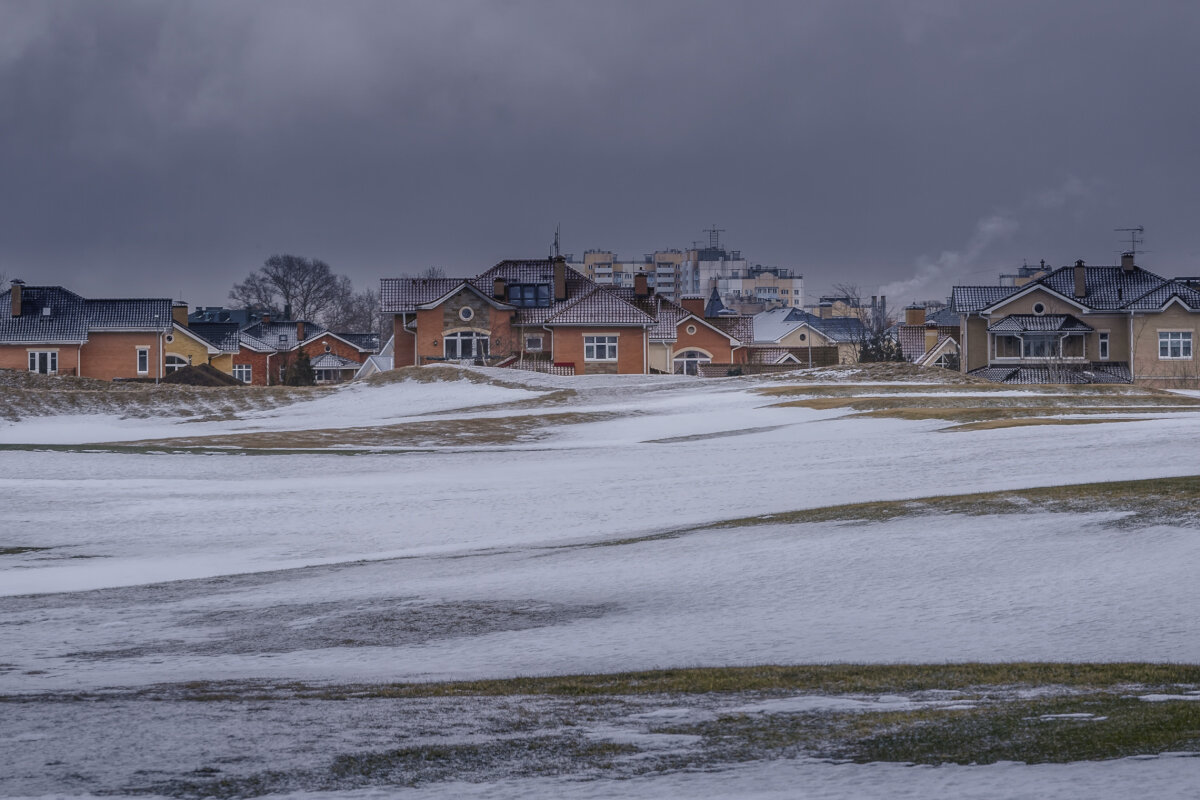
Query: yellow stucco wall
<point>187,346</point>
<point>1148,367</point>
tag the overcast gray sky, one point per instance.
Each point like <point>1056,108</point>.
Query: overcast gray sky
<point>167,148</point>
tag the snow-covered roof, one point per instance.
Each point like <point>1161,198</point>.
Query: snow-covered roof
<point>1021,323</point>
<point>54,314</point>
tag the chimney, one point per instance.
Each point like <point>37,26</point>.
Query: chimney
<point>17,285</point>
<point>266,318</point>
<point>825,310</point>
<point>640,287</point>
<point>914,315</point>
<point>560,279</point>
<point>499,288</point>
<point>693,304</point>
<point>179,313</point>
<point>931,336</point>
<point>1080,279</point>
<point>299,331</point>
<point>1127,264</point>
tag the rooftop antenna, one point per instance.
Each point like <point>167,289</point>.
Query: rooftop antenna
<point>1136,237</point>
<point>556,229</point>
<point>714,236</point>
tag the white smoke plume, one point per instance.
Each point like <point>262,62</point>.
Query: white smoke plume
<point>931,275</point>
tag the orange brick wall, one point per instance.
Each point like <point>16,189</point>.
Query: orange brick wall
<point>631,350</point>
<point>336,346</point>
<point>114,355</point>
<point>432,322</point>
<point>258,366</point>
<point>17,356</point>
<point>402,347</point>
<point>704,339</point>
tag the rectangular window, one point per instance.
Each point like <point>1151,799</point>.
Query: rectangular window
<point>143,360</point>
<point>43,361</point>
<point>1174,344</point>
<point>1039,346</point>
<point>529,295</point>
<point>282,372</point>
<point>1103,346</point>
<point>600,348</point>
<point>1008,347</point>
<point>242,372</point>
<point>533,344</point>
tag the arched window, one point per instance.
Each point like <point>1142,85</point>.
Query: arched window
<point>175,362</point>
<point>687,361</point>
<point>467,344</point>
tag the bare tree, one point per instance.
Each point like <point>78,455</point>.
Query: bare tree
<point>357,312</point>
<point>307,285</point>
<point>874,341</point>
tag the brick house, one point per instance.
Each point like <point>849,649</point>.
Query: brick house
<point>929,339</point>
<point>543,314</point>
<point>52,330</point>
<point>266,348</point>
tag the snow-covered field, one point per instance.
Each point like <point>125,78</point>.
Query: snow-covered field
<point>590,547</point>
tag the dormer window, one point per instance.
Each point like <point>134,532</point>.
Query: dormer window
<point>283,338</point>
<point>529,295</point>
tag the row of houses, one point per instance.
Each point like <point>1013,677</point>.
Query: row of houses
<point>543,315</point>
<point>55,331</point>
<point>1076,324</point>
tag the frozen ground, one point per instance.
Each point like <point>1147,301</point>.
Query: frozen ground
<point>589,547</point>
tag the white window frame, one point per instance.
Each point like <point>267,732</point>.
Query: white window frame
<point>1184,338</point>
<point>687,362</point>
<point>169,367</point>
<point>600,347</point>
<point>530,347</point>
<point>143,354</point>
<point>51,361</point>
<point>243,372</point>
<point>480,345</point>
<point>1102,346</point>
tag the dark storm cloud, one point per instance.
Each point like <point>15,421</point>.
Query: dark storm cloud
<point>170,147</point>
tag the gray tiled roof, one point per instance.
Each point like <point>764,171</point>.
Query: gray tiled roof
<point>1095,372</point>
<point>972,299</point>
<point>534,271</point>
<point>599,307</point>
<point>773,325</point>
<point>253,343</point>
<point>1020,323</point>
<point>222,335</point>
<point>1105,289</point>
<point>71,317</point>
<point>333,361</point>
<point>282,335</point>
<point>665,313</point>
<point>945,317</point>
<point>399,295</point>
<point>129,314</point>
<point>912,341</point>
<point>1161,295</point>
<point>740,327</point>
<point>67,321</point>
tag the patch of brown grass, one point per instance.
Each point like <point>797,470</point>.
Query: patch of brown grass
<point>1025,422</point>
<point>430,433</point>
